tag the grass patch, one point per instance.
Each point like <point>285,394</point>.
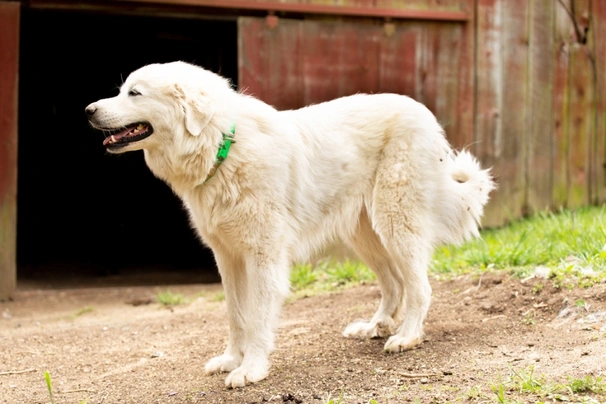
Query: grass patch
<point>569,243</point>
<point>82,311</point>
<point>327,276</point>
<point>523,386</point>
<point>217,297</point>
<point>170,299</point>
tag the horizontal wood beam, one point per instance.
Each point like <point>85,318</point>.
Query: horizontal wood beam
<point>273,7</point>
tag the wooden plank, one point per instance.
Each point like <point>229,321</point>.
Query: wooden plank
<point>454,74</point>
<point>322,63</point>
<point>598,33</point>
<point>539,170</point>
<point>514,40</point>
<point>9,71</point>
<point>397,61</point>
<point>580,153</point>
<point>584,108</point>
<point>463,130</point>
<point>270,60</point>
<point>339,59</point>
<point>561,116</point>
<point>453,12</point>
<point>488,102</point>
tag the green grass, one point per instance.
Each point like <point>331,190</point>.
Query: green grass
<point>217,297</point>
<point>569,243</point>
<point>328,276</point>
<point>49,386</point>
<point>170,299</point>
<point>523,385</point>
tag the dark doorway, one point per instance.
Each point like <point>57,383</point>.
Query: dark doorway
<point>84,215</point>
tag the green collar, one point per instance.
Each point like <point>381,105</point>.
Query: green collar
<point>228,139</point>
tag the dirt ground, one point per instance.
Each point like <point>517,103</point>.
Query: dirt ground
<point>117,345</point>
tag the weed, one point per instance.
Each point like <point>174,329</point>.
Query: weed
<point>49,386</point>
<point>169,299</point>
<point>588,384</point>
<point>529,317</point>
<point>527,382</point>
<point>302,275</point>
<point>499,390</point>
<point>537,288</point>
<point>82,311</point>
<point>332,401</point>
<point>218,297</point>
<point>474,393</point>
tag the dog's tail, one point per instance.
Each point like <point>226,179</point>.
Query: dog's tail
<point>461,203</point>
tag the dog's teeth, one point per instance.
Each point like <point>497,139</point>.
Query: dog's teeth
<point>140,126</point>
<point>112,139</point>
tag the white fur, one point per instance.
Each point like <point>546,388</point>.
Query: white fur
<point>373,170</point>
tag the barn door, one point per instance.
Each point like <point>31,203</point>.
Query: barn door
<point>9,55</point>
<point>290,63</point>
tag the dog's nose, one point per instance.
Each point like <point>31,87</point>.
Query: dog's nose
<point>90,110</point>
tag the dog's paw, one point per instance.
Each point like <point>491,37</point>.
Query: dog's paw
<point>367,330</point>
<point>223,363</point>
<point>397,343</point>
<point>244,375</point>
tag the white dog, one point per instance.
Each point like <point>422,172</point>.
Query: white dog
<point>374,170</point>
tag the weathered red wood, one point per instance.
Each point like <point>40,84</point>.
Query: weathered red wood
<point>561,119</point>
<point>514,41</point>
<point>597,34</point>
<point>365,9</point>
<point>580,153</point>
<point>9,54</point>
<point>397,59</point>
<point>265,72</point>
<point>339,59</point>
<point>334,58</point>
<point>540,141</point>
<point>488,102</point>
<point>587,97</point>
<point>463,98</point>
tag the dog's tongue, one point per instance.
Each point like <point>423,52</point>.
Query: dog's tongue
<point>129,131</point>
<point>116,136</point>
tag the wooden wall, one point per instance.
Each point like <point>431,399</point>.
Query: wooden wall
<point>540,96</point>
<point>515,82</point>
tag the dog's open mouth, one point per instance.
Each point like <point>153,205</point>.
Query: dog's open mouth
<point>119,137</point>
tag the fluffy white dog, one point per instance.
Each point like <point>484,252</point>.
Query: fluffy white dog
<point>374,170</point>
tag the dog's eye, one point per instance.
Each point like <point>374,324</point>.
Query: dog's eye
<point>133,93</point>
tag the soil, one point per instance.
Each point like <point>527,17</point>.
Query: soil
<point>117,345</point>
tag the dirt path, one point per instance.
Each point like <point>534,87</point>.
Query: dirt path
<point>109,346</point>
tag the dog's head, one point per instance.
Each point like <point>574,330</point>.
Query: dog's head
<point>158,105</point>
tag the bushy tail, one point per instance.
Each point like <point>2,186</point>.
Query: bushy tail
<point>463,194</point>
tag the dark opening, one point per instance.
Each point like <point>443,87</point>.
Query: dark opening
<point>85,216</point>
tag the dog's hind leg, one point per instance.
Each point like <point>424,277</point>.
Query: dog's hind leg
<point>366,243</point>
<point>401,215</point>
<point>267,273</point>
<point>234,280</point>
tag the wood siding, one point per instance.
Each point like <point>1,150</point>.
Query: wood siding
<point>9,54</point>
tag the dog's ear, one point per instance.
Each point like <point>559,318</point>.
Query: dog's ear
<point>197,110</point>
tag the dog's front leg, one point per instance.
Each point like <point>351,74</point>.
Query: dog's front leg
<point>233,277</point>
<point>267,285</point>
